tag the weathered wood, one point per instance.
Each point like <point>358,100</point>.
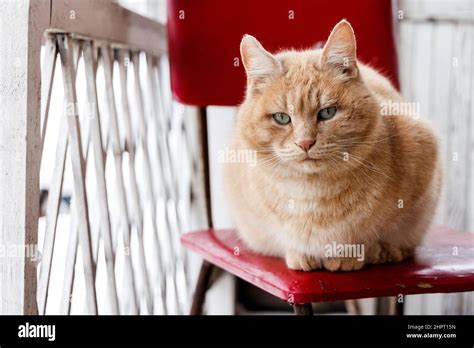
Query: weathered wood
<point>65,304</point>
<point>90,72</point>
<point>152,198</point>
<point>205,159</point>
<point>433,269</point>
<point>52,211</point>
<point>117,153</point>
<point>136,202</point>
<point>90,69</point>
<point>385,305</point>
<point>420,77</point>
<point>448,11</point>
<point>159,121</point>
<point>303,309</point>
<point>437,71</point>
<point>74,138</point>
<point>460,155</point>
<point>193,196</point>
<point>165,113</point>
<point>352,307</point>
<point>80,19</point>
<point>163,104</point>
<point>69,268</point>
<point>106,20</point>
<point>469,297</point>
<point>54,202</point>
<point>195,149</point>
<point>439,91</point>
<point>202,286</point>
<point>22,24</point>
<point>47,75</point>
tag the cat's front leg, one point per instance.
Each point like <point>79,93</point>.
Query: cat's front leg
<point>302,262</point>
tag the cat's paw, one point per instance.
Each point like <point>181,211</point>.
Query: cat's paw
<point>301,262</point>
<point>342,264</point>
<point>385,252</point>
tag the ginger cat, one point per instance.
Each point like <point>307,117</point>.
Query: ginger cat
<point>334,169</point>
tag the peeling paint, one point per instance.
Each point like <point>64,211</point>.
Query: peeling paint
<point>424,285</point>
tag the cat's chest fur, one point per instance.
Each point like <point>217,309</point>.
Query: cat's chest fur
<point>303,213</point>
<point>313,197</point>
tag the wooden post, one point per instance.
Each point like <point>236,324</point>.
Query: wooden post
<point>22,23</point>
<point>303,309</point>
<point>204,143</point>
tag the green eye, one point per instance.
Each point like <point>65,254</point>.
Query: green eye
<point>281,118</point>
<point>327,113</point>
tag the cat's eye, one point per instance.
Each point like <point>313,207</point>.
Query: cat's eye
<point>327,113</point>
<point>281,118</point>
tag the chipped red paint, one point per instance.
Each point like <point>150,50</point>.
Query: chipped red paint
<point>434,269</point>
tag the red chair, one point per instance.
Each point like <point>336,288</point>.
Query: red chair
<point>204,38</point>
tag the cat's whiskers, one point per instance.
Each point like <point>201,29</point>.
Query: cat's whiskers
<point>346,142</point>
<point>321,155</point>
<point>270,162</point>
<point>368,165</point>
<point>335,161</point>
<point>366,175</point>
<point>379,140</point>
<point>264,164</point>
<point>326,146</point>
<point>270,149</point>
<point>267,157</point>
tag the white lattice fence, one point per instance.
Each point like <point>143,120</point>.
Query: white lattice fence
<point>118,164</point>
<point>128,207</point>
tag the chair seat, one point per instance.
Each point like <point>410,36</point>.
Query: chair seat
<point>444,263</point>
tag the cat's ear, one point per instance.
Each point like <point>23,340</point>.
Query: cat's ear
<point>260,65</point>
<point>340,50</point>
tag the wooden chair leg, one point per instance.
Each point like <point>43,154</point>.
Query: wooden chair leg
<point>399,308</point>
<point>352,307</point>
<point>201,287</point>
<point>389,306</point>
<point>204,278</point>
<point>303,309</point>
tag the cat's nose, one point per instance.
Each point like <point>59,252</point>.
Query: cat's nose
<point>306,144</point>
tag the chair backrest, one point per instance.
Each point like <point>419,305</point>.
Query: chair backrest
<point>204,38</point>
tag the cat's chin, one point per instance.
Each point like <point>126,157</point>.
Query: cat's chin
<point>310,165</point>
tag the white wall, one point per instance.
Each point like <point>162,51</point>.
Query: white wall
<point>436,70</point>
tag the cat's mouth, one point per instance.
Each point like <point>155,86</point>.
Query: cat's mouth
<point>309,159</point>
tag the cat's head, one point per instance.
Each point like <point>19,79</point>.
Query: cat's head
<point>305,109</point>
